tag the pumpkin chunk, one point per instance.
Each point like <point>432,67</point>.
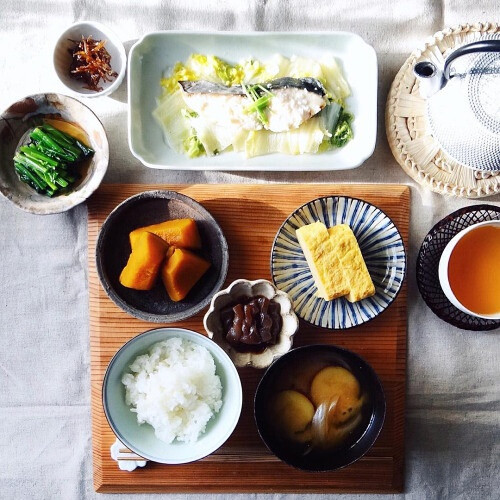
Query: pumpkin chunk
<point>181,233</point>
<point>144,262</point>
<point>181,271</point>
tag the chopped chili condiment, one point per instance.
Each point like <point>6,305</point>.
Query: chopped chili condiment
<point>91,63</point>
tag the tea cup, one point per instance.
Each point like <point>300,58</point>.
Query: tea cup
<point>443,270</point>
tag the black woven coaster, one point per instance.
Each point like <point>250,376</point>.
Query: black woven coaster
<point>428,264</point>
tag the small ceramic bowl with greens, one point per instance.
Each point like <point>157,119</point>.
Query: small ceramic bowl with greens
<point>53,153</point>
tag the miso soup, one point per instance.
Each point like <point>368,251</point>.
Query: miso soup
<point>318,406</point>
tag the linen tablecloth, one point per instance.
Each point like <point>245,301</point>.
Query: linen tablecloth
<point>453,403</point>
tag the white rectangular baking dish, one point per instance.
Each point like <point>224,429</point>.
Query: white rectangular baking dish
<point>151,57</point>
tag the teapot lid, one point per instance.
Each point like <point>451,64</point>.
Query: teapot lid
<point>464,116</point>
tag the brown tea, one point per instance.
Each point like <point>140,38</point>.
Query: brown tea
<point>474,270</point>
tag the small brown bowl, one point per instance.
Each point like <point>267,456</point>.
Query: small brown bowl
<point>26,114</point>
<point>113,250</point>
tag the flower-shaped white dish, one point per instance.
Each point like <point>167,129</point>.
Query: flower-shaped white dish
<point>245,288</point>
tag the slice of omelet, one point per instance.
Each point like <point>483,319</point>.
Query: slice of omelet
<point>356,273</point>
<point>324,264</point>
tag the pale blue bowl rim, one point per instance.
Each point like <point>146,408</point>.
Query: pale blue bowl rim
<point>347,198</point>
<point>227,363</point>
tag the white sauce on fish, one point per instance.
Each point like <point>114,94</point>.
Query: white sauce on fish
<point>291,107</point>
<point>224,110</point>
<point>287,110</point>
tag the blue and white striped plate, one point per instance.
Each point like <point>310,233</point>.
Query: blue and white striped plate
<point>382,248</point>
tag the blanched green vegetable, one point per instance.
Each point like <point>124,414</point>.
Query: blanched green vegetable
<point>49,164</point>
<point>343,130</point>
<point>194,147</point>
<point>261,98</point>
<point>331,115</point>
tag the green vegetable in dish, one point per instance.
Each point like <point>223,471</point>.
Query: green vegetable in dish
<point>194,147</point>
<point>342,133</point>
<point>260,98</point>
<point>192,144</point>
<point>50,162</point>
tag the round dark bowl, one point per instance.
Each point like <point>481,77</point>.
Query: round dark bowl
<point>113,250</point>
<point>355,447</point>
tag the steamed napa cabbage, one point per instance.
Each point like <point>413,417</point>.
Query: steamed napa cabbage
<point>203,67</point>
<point>174,123</point>
<point>304,139</point>
<point>190,134</point>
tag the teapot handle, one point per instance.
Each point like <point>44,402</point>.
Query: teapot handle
<point>470,48</point>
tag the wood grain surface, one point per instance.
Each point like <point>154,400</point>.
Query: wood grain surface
<point>250,215</point>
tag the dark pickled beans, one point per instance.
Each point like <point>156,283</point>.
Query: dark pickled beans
<point>251,322</point>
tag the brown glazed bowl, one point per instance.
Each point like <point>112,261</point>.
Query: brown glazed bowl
<point>113,250</point>
<point>26,114</point>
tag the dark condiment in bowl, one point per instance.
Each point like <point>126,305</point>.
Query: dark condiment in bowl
<point>251,324</point>
<point>91,62</point>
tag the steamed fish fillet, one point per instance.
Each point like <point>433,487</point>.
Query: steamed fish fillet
<point>294,101</point>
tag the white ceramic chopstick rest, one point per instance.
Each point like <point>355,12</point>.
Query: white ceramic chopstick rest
<point>124,458</point>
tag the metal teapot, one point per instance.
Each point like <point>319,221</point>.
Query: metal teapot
<point>463,107</point>
<point>432,79</point>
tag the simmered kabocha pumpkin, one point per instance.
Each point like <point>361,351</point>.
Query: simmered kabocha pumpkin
<point>181,233</point>
<point>144,262</point>
<point>181,271</point>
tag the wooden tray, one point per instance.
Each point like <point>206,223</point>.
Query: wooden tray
<point>250,216</point>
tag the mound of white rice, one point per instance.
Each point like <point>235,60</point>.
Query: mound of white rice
<point>175,389</point>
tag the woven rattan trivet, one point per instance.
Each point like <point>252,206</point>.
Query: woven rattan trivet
<point>408,131</point>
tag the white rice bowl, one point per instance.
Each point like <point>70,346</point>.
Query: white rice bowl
<point>175,389</point>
